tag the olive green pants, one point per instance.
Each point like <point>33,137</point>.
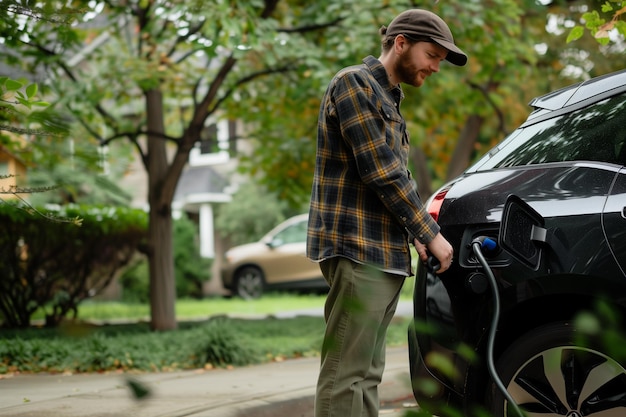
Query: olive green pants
<point>360,305</point>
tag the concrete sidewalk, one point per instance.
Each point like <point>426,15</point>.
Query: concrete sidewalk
<point>278,389</point>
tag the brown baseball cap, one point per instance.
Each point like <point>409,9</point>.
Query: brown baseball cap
<point>417,23</point>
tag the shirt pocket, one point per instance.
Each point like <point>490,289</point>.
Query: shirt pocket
<point>396,135</point>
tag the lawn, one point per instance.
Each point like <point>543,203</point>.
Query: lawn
<point>187,309</point>
<point>113,311</point>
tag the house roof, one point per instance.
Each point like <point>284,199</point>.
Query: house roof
<point>201,184</point>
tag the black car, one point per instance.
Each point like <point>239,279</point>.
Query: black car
<point>559,181</point>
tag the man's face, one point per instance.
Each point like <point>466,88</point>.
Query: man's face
<point>418,61</point>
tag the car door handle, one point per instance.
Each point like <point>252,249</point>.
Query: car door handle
<point>624,212</point>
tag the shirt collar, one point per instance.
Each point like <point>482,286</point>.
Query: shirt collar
<point>380,74</point>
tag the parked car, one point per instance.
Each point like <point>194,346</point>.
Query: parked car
<point>277,261</point>
<point>566,165</point>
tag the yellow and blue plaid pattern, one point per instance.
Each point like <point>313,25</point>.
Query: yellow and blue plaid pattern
<point>364,204</point>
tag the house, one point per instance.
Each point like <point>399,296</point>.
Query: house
<point>12,173</point>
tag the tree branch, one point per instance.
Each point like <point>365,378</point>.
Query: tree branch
<point>484,90</point>
<point>248,78</point>
<point>311,28</point>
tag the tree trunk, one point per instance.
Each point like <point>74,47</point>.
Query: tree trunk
<point>465,146</point>
<point>160,255</point>
<point>422,175</point>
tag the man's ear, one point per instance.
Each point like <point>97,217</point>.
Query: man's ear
<point>399,44</point>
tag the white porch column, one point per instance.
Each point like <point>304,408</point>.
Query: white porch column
<point>207,243</point>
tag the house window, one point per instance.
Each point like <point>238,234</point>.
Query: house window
<point>208,140</point>
<point>214,145</point>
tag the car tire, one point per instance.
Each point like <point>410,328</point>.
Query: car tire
<point>547,374</point>
<point>249,282</point>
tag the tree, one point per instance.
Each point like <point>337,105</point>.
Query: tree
<point>153,72</point>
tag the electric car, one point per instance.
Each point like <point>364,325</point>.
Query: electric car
<point>564,167</point>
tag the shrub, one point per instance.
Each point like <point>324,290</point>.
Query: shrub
<point>190,269</point>
<point>54,265</point>
<point>72,348</point>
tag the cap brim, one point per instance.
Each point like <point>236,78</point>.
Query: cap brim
<point>455,55</point>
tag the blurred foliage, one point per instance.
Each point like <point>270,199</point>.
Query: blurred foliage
<point>191,269</point>
<point>213,343</point>
<point>604,326</point>
<point>217,342</point>
<point>600,20</point>
<point>54,265</point>
<point>23,112</point>
<point>252,213</point>
<point>135,282</point>
<point>516,52</point>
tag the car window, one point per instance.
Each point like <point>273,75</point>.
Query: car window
<point>595,133</point>
<point>291,234</point>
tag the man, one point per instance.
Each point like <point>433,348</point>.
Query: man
<point>365,208</point>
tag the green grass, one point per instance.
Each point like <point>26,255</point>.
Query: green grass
<point>199,309</point>
<point>270,303</point>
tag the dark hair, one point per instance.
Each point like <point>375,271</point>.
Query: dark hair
<point>387,40</point>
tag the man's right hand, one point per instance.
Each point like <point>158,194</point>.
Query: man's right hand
<point>440,248</point>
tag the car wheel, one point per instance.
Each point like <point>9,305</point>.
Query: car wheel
<point>249,282</point>
<point>547,374</point>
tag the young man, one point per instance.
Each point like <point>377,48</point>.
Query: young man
<point>365,208</point>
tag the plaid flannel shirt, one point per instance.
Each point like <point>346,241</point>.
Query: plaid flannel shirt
<point>364,204</point>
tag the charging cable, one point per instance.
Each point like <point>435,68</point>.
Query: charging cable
<point>489,244</point>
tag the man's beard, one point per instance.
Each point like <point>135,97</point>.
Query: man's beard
<point>407,72</point>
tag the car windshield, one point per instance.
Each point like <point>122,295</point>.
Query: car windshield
<point>293,234</point>
<point>595,133</point>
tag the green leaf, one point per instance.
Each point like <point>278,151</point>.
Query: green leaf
<point>31,90</point>
<point>621,27</point>
<point>575,34</point>
<point>13,85</point>
<point>606,7</point>
<point>24,102</point>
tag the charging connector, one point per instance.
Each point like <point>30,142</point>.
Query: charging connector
<point>478,245</point>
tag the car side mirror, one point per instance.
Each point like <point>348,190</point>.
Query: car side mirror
<point>522,232</point>
<point>274,243</point>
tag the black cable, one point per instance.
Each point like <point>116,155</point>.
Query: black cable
<point>477,247</point>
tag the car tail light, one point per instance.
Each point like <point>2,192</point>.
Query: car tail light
<point>436,202</point>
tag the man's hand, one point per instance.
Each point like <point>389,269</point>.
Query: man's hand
<point>439,247</point>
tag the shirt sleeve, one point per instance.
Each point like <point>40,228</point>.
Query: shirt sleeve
<point>364,124</point>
